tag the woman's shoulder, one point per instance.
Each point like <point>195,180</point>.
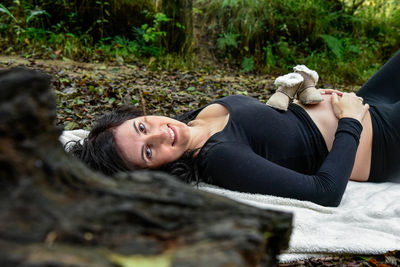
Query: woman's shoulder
<point>213,111</point>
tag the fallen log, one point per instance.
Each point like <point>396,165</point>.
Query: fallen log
<point>56,212</point>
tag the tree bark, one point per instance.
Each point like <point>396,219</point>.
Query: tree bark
<point>56,212</point>
<point>179,38</point>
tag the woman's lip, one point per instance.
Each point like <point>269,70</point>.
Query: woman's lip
<point>175,133</point>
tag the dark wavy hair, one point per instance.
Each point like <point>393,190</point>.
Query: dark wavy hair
<point>99,151</point>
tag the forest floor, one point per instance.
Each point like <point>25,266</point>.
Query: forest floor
<point>87,90</point>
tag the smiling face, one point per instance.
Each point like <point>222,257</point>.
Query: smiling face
<point>151,141</point>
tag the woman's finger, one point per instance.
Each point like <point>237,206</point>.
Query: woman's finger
<point>330,91</point>
<point>334,97</point>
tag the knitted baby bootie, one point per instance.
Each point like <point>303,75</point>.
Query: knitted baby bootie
<point>287,88</point>
<point>307,93</point>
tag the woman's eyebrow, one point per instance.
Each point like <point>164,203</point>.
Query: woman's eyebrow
<point>136,129</point>
<point>142,150</point>
<point>142,154</point>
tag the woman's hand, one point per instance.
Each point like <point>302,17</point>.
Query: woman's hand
<point>348,105</point>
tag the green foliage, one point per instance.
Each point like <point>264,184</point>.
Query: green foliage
<point>28,18</point>
<point>148,38</point>
<point>334,44</point>
<point>247,64</point>
<point>153,33</point>
<point>33,14</point>
<point>118,47</point>
<point>270,61</point>
<point>351,36</point>
<point>27,31</point>
<point>227,40</point>
<point>3,9</point>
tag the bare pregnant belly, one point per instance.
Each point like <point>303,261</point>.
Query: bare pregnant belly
<point>326,121</point>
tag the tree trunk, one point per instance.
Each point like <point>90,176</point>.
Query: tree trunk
<point>179,37</point>
<point>56,212</point>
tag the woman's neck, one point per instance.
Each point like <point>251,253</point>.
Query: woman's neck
<point>212,119</point>
<point>200,132</point>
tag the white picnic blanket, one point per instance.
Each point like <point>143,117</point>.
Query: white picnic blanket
<point>366,222</point>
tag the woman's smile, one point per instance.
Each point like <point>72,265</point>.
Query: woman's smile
<point>174,135</point>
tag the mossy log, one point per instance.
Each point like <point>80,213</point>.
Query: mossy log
<point>56,212</point>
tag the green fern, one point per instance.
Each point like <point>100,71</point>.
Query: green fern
<point>247,64</point>
<point>227,40</point>
<point>334,44</point>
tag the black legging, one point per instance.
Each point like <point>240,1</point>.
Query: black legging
<point>382,93</point>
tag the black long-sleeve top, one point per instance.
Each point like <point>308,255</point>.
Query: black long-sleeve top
<point>263,150</point>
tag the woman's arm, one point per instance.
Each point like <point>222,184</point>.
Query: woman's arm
<point>237,167</point>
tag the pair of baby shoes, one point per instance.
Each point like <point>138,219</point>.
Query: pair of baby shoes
<point>299,84</point>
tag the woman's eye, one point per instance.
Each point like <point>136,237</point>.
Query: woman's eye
<point>148,152</point>
<point>142,128</point>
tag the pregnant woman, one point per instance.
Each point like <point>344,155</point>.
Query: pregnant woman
<point>308,152</point>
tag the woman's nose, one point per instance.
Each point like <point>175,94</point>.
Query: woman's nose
<point>158,137</point>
